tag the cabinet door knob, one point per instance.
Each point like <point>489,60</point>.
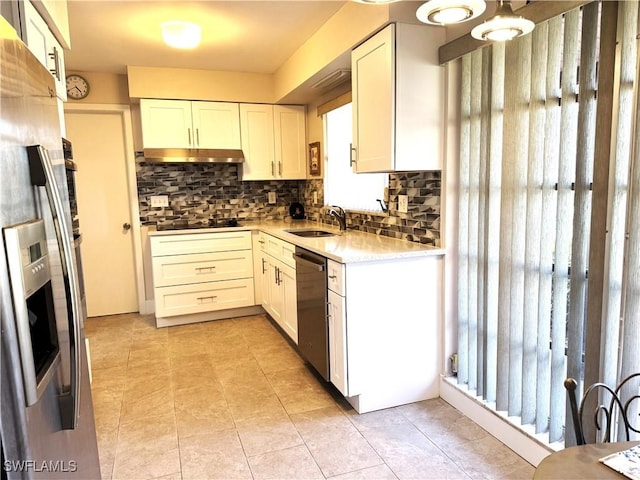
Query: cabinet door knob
<point>126,226</point>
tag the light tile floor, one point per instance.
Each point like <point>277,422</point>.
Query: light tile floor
<point>232,399</point>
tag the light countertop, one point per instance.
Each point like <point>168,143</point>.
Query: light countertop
<point>344,247</point>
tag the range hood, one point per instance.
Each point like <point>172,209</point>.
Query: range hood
<point>192,155</point>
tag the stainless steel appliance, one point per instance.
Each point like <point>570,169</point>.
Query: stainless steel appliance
<point>32,296</point>
<point>70,171</point>
<point>49,434</point>
<point>311,290</point>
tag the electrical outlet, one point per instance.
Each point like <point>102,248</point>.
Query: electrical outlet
<point>315,198</point>
<point>271,196</point>
<point>159,201</point>
<point>403,203</point>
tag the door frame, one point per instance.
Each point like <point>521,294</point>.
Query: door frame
<point>130,165</point>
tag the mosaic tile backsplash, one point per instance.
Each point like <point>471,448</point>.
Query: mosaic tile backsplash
<point>200,193</point>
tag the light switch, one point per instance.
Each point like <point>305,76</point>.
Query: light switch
<point>403,203</point>
<point>271,196</point>
<point>159,201</point>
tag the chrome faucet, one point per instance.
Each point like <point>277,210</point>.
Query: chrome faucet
<point>340,215</point>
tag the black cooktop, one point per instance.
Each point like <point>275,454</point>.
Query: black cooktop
<point>196,225</point>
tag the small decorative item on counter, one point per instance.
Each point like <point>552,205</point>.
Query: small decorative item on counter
<point>296,210</point>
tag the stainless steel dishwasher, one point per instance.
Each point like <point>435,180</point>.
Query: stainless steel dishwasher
<point>311,289</point>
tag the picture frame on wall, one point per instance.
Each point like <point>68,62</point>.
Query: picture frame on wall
<point>314,158</point>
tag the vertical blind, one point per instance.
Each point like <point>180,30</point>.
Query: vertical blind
<point>529,111</point>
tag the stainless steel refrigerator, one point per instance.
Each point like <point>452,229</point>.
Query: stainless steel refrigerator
<point>47,425</point>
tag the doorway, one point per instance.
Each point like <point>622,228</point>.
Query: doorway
<point>107,206</point>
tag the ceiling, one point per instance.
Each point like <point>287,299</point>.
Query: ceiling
<point>239,36</point>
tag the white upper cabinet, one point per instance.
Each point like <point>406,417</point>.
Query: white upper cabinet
<point>187,124</point>
<point>256,125</point>
<point>166,123</point>
<point>273,142</point>
<point>43,44</point>
<point>398,100</point>
<point>216,124</point>
<point>290,141</point>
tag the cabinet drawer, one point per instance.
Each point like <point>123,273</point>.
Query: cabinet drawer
<point>335,277</point>
<point>201,267</point>
<point>281,250</point>
<point>203,297</point>
<point>200,243</point>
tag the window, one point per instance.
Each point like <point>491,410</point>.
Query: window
<point>342,186</point>
<point>535,198</point>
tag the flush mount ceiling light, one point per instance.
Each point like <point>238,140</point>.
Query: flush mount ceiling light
<point>504,25</point>
<point>179,34</point>
<point>444,12</point>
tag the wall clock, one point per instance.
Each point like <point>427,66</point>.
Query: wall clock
<point>77,87</point>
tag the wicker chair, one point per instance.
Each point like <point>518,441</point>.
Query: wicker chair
<point>604,416</point>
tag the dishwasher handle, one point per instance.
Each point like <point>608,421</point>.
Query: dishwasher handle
<point>300,259</point>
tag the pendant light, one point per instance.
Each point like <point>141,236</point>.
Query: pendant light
<point>445,12</point>
<point>504,25</point>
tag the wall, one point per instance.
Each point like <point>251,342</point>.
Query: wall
<point>200,192</point>
<point>421,223</point>
<point>187,84</point>
<point>104,88</point>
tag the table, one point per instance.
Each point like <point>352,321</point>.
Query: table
<point>581,462</point>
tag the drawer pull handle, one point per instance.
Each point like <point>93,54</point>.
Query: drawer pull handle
<point>333,277</point>
<point>206,269</point>
<point>208,299</point>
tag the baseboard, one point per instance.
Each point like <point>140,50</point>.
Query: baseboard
<point>524,444</point>
<point>208,316</point>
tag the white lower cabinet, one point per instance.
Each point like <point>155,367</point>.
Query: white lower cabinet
<point>202,272</point>
<point>277,274</point>
<point>203,297</point>
<point>384,330</point>
<point>336,313</point>
<point>289,301</point>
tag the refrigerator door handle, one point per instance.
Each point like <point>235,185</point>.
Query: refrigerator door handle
<point>42,174</point>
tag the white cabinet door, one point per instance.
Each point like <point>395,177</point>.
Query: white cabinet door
<point>398,100</point>
<point>276,289</point>
<point>338,342</point>
<point>290,142</point>
<point>216,125</point>
<point>44,46</point>
<point>263,277</point>
<point>288,284</point>
<point>259,267</point>
<point>373,80</point>
<point>166,123</point>
<point>256,126</point>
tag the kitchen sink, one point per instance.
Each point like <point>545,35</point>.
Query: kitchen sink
<point>311,233</point>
